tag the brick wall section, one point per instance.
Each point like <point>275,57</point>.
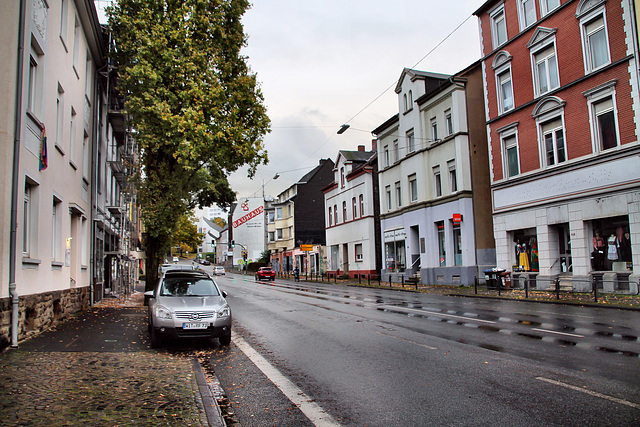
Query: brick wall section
<point>39,312</point>
<point>571,68</point>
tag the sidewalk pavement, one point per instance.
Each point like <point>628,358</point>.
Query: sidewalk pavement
<point>98,369</point>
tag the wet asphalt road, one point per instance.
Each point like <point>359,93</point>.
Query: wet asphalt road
<point>378,357</point>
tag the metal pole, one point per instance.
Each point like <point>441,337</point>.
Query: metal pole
<point>595,289</point>
<point>557,288</point>
<point>526,288</point>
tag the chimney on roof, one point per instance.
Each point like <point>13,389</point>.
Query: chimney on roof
<point>360,147</point>
<point>374,145</point>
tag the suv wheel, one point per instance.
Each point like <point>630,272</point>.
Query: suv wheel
<point>225,339</point>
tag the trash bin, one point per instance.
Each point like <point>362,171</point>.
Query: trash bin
<point>493,277</point>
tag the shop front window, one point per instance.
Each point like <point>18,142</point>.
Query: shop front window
<point>457,244</point>
<point>395,256</point>
<point>442,256</point>
<point>525,250</point>
<point>611,244</point>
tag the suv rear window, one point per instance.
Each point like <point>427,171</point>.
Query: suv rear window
<point>188,286</point>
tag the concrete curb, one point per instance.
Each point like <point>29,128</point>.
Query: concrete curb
<point>211,407</point>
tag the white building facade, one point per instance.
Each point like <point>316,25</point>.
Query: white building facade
<point>427,207</point>
<point>248,230</point>
<point>350,216</point>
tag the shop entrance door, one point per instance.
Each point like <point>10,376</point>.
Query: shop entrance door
<point>564,248</point>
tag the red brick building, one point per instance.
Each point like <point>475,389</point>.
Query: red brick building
<point>561,86</point>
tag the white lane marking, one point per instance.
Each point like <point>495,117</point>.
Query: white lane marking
<point>559,333</point>
<point>435,313</point>
<point>589,392</point>
<point>406,340</point>
<point>312,410</point>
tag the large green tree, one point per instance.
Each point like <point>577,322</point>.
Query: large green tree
<point>196,108</point>
<point>186,234</point>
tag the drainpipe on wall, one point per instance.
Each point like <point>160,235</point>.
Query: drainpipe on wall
<point>16,180</point>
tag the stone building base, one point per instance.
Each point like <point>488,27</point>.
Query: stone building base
<point>39,312</point>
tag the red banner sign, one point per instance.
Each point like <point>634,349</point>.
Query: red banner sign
<point>248,216</point>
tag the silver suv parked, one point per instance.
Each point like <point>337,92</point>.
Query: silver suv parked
<point>188,304</point>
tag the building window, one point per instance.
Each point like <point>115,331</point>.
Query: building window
<point>271,217</point>
<point>76,46</point>
<point>411,143</point>
<point>396,151</point>
<point>505,90</point>
<point>388,193</point>
<point>595,42</point>
<point>72,136</point>
<point>278,213</point>
<point>26,220</point>
<point>553,141</point>
<point>84,242</point>
<point>413,188</point>
<point>510,156</point>
<point>453,178</point>
<point>344,211</point>
<point>386,156</point>
<point>527,13</point>
<point>59,116</point>
<point>335,214</point>
<point>354,208</point>
<point>279,233</point>
<point>605,123</point>
<point>86,151</point>
<point>437,180</point>
<point>361,205</point>
<point>272,236</point>
<point>56,230</point>
<point>398,194</point>
<point>442,254</point>
<point>330,217</point>
<point>410,100</point>
<point>358,250</point>
<point>35,83</point>
<point>448,122</point>
<point>434,129</point>
<point>342,177</point>
<point>546,77</point>
<point>549,5</point>
<point>498,27</point>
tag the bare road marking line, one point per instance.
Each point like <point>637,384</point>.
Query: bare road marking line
<point>435,313</point>
<point>559,333</point>
<point>406,340</point>
<point>589,392</point>
<point>312,410</point>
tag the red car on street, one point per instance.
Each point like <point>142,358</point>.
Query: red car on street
<point>265,273</point>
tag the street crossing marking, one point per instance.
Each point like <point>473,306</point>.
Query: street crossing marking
<point>312,410</point>
<point>589,392</point>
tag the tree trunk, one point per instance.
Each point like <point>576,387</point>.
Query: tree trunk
<point>152,249</point>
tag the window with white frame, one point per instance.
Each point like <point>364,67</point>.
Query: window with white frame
<point>361,205</point>
<point>603,116</point>
<point>64,19</point>
<point>84,242</point>
<point>526,13</point>
<point>386,156</point>
<point>76,46</point>
<point>290,232</point>
<point>72,137</point>
<point>279,213</point>
<point>545,69</point>
<point>272,236</point>
<point>411,142</point>
<point>387,191</point>
<point>330,216</point>
<point>86,152</point>
<point>36,80</point>
<point>344,211</point>
<point>59,117</point>
<point>30,215</point>
<point>552,137</point>
<point>498,26</point>
<point>548,6</point>
<point>434,129</point>
<point>271,217</point>
<point>335,214</point>
<point>354,208</point>
<point>398,194</point>
<point>396,151</point>
<point>453,178</point>
<point>413,188</point>
<point>448,122</point>
<point>510,156</point>
<point>595,40</point>
<point>56,229</point>
<point>505,90</point>
<point>279,233</point>
<point>437,181</point>
<point>406,102</point>
<point>358,251</point>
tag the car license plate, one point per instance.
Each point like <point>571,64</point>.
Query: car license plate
<point>195,325</point>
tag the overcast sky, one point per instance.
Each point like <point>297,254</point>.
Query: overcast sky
<point>320,64</point>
